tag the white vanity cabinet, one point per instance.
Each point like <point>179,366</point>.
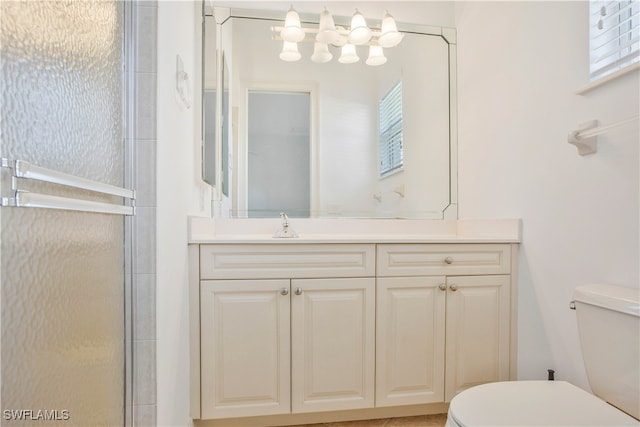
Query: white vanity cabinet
<point>410,340</point>
<point>478,330</point>
<point>245,346</point>
<point>444,322</point>
<point>303,342</point>
<point>360,330</point>
<point>333,344</point>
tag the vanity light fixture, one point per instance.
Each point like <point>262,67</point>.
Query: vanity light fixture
<point>327,33</point>
<point>290,52</point>
<point>376,56</point>
<point>390,36</point>
<point>321,53</point>
<point>348,54</point>
<point>360,33</point>
<point>292,31</point>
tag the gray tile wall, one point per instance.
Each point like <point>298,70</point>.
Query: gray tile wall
<point>144,75</point>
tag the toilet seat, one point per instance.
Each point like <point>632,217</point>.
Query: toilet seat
<point>533,403</point>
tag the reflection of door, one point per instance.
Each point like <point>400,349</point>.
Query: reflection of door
<point>279,153</point>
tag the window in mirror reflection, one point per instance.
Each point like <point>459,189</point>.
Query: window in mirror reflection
<point>278,153</point>
<point>390,123</point>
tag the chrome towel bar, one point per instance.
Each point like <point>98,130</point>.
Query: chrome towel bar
<point>24,198</point>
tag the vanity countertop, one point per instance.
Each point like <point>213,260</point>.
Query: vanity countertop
<point>350,230</point>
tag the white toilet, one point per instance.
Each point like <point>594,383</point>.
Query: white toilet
<point>608,319</point>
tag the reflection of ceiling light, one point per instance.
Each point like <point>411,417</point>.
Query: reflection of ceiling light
<point>390,36</point>
<point>360,33</point>
<point>376,56</point>
<point>327,33</point>
<point>290,52</point>
<point>321,53</point>
<point>292,31</point>
<point>349,55</point>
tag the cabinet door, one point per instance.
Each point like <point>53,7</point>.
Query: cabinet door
<point>477,331</point>
<point>410,340</point>
<point>245,335</point>
<point>333,348</point>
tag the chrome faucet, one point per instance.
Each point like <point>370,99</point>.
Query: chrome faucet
<point>284,231</point>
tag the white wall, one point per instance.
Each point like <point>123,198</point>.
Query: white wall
<point>519,66</point>
<point>179,193</point>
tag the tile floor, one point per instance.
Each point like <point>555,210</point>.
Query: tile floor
<point>437,420</point>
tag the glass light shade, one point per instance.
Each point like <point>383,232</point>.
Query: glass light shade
<point>327,32</point>
<point>360,33</point>
<point>292,31</point>
<point>389,36</point>
<point>290,52</point>
<point>321,53</point>
<point>376,56</point>
<point>349,54</point>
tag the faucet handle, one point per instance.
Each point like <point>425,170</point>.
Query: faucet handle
<point>285,231</point>
<point>284,218</point>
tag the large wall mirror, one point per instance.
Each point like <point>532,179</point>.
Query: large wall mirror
<point>305,137</point>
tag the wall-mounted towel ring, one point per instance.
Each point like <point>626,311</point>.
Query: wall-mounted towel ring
<point>183,91</point>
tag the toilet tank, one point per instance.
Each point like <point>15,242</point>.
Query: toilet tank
<point>608,319</point>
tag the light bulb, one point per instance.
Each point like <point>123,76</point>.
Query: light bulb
<point>349,54</point>
<point>290,52</point>
<point>327,32</point>
<point>321,53</point>
<point>360,33</point>
<point>389,36</point>
<point>292,31</point>
<point>376,56</point>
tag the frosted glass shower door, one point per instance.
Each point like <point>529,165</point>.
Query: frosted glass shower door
<point>62,272</point>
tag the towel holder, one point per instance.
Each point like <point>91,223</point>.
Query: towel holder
<point>585,138</point>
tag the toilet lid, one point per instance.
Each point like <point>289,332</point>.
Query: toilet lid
<point>534,403</point>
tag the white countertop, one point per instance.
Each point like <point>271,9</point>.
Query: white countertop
<point>354,230</point>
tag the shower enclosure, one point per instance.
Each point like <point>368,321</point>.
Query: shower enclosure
<point>65,263</point>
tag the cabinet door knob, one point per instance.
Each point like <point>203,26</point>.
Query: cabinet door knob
<point>298,291</point>
<point>284,291</point>
<point>442,287</point>
<point>448,260</point>
<point>453,287</point>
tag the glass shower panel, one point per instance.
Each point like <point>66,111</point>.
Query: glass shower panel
<point>62,301</point>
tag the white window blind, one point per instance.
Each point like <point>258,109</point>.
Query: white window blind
<point>614,36</point>
<point>390,148</point>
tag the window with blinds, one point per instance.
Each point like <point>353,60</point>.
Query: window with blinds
<point>614,36</point>
<point>390,121</point>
